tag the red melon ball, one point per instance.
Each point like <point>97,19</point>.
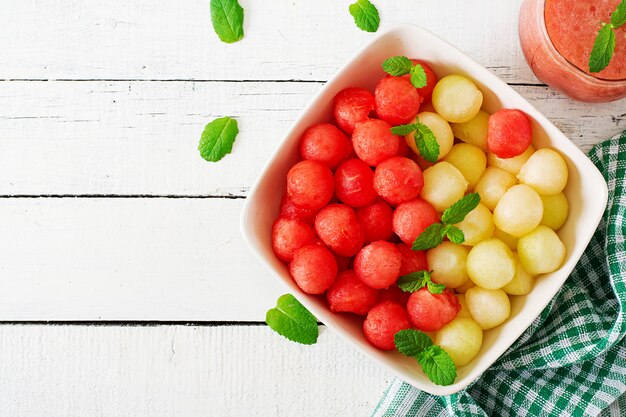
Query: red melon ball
<point>397,101</point>
<point>354,181</point>
<point>376,221</point>
<point>373,141</point>
<point>403,148</point>
<point>394,293</point>
<point>398,180</point>
<point>412,260</point>
<point>288,236</point>
<point>339,229</point>
<point>509,133</point>
<point>382,323</point>
<point>426,92</point>
<point>289,210</point>
<point>313,268</point>
<point>430,312</point>
<point>412,218</point>
<point>325,143</point>
<point>352,105</point>
<point>348,294</point>
<point>310,184</point>
<point>378,264</point>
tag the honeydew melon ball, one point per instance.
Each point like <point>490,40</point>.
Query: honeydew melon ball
<point>457,99</point>
<point>468,159</point>
<point>510,165</point>
<point>464,311</point>
<point>489,308</point>
<point>474,131</point>
<point>447,261</point>
<point>490,264</point>
<point>492,186</point>
<point>477,225</point>
<point>463,288</point>
<point>545,171</point>
<point>440,128</point>
<point>555,210</point>
<point>444,185</point>
<point>510,241</point>
<point>461,339</point>
<point>519,211</point>
<point>522,282</point>
<point>541,251</point>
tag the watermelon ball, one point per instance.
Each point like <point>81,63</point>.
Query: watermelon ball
<point>425,92</point>
<point>354,183</point>
<point>397,101</point>
<point>313,268</point>
<point>378,264</point>
<point>310,184</point>
<point>375,221</point>
<point>352,105</point>
<point>430,312</point>
<point>288,236</point>
<point>394,293</point>
<point>382,323</point>
<point>509,133</point>
<point>403,148</point>
<point>343,262</point>
<point>325,143</point>
<point>289,210</point>
<point>337,226</point>
<point>412,218</point>
<point>398,180</point>
<point>412,260</point>
<point>348,294</point>
<point>373,141</point>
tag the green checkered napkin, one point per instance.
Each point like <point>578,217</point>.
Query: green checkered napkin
<point>572,360</point>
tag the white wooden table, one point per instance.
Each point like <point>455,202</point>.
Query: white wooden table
<point>118,234</point>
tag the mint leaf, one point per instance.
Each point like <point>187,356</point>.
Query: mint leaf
<point>435,288</point>
<point>455,234</point>
<point>411,342</point>
<point>457,211</point>
<point>426,142</point>
<point>227,20</point>
<point>429,238</point>
<point>403,130</point>
<point>618,18</point>
<point>365,15</point>
<point>418,76</point>
<point>603,48</point>
<point>437,365</point>
<point>217,138</point>
<point>418,280</point>
<point>397,66</point>
<point>292,320</point>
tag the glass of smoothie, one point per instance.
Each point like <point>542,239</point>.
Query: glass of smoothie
<point>557,37</point>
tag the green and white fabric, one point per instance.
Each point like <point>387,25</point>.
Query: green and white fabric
<point>572,359</point>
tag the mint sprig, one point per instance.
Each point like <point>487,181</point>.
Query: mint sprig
<point>604,45</point>
<point>292,320</point>
<point>425,139</point>
<point>435,362</point>
<point>227,20</point>
<point>365,15</point>
<point>433,235</point>
<point>418,280</point>
<point>401,65</point>
<point>217,138</point>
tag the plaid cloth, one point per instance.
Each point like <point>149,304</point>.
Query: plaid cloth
<point>572,360</point>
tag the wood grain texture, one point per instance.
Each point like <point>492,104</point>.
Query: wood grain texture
<point>141,138</point>
<point>171,371</point>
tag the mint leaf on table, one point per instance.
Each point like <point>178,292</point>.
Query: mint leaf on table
<point>217,138</point>
<point>429,238</point>
<point>426,142</point>
<point>457,211</point>
<point>417,280</point>
<point>292,320</point>
<point>365,15</point>
<point>411,342</point>
<point>603,48</point>
<point>618,17</point>
<point>454,234</point>
<point>227,20</point>
<point>437,365</point>
<point>397,66</point>
<point>418,76</point>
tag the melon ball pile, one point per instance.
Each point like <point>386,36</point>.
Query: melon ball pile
<point>360,196</point>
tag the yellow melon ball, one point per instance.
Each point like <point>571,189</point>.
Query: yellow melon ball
<point>519,211</point>
<point>461,339</point>
<point>492,186</point>
<point>541,251</point>
<point>444,185</point>
<point>477,225</point>
<point>555,210</point>
<point>447,261</point>
<point>456,98</point>
<point>510,241</point>
<point>468,159</point>
<point>440,128</point>
<point>545,171</point>
<point>510,165</point>
<point>473,132</point>
<point>522,282</point>
<point>490,264</point>
<point>489,308</point>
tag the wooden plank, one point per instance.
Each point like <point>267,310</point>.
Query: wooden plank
<point>161,39</point>
<point>141,137</point>
<point>61,371</point>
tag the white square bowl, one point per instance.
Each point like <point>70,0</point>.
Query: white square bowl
<point>586,192</point>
